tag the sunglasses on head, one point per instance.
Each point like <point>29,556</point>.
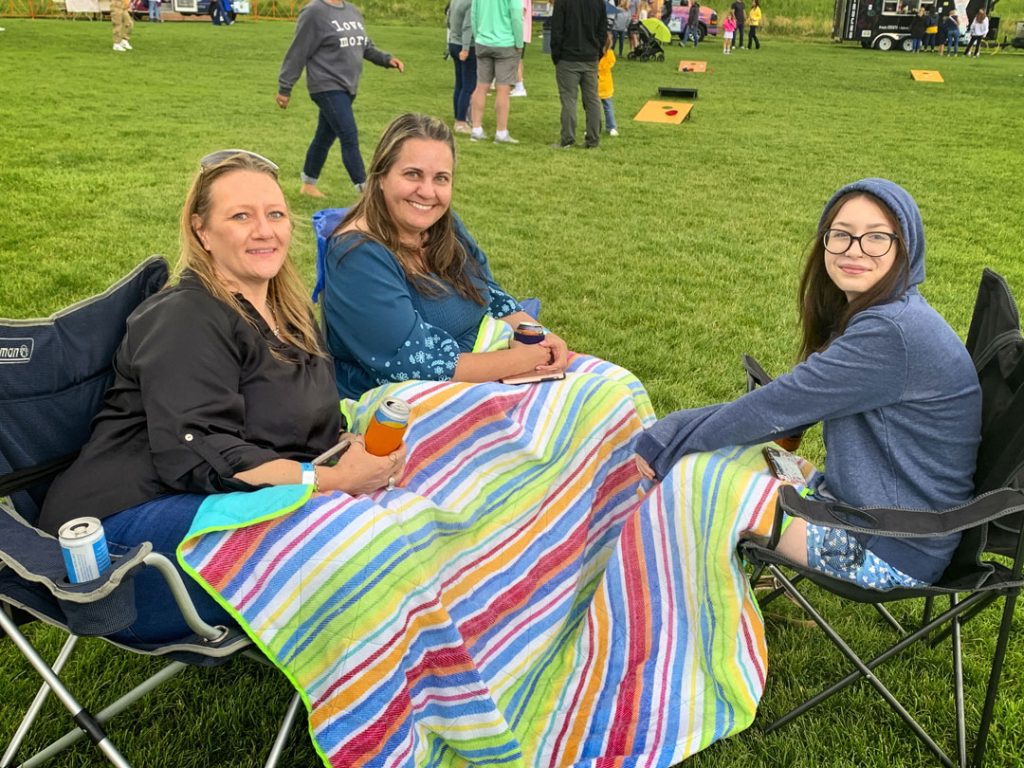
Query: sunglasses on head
<point>221,155</point>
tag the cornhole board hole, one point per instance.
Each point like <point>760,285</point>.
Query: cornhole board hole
<point>678,93</point>
<point>670,112</point>
<point>693,66</point>
<point>926,76</point>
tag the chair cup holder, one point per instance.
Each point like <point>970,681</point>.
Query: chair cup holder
<point>105,616</point>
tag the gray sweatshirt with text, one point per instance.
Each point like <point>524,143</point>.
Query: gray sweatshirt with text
<point>330,43</point>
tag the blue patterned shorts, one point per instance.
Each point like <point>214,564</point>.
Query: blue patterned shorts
<point>837,553</point>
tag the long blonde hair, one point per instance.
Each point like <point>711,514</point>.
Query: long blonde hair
<point>287,297</point>
<point>445,261</point>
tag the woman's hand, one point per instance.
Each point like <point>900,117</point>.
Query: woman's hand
<point>535,357</point>
<point>394,63</point>
<point>644,468</point>
<point>559,352</point>
<point>361,472</point>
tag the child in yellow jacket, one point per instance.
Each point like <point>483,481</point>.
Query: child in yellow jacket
<point>606,87</point>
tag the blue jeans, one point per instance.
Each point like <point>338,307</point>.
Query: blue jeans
<point>154,10</point>
<point>465,81</point>
<point>953,41</point>
<point>619,37</point>
<point>336,121</point>
<point>609,114</point>
<point>692,31</point>
<point>164,522</point>
<point>915,44</point>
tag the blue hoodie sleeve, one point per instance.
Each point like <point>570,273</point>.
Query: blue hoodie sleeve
<point>862,370</point>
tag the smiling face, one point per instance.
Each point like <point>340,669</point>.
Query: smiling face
<point>417,189</point>
<point>853,272</point>
<point>247,230</point>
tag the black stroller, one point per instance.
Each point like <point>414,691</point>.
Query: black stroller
<point>648,48</point>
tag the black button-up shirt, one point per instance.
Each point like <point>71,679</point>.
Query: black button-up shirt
<point>197,397</point>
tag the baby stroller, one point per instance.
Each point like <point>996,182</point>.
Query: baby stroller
<point>648,48</point>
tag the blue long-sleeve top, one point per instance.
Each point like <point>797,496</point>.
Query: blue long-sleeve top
<point>381,328</point>
<point>899,399</point>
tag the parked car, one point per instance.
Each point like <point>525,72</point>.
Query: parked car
<point>708,19</point>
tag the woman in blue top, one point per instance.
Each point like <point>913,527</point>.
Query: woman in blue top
<point>889,378</point>
<point>406,286</point>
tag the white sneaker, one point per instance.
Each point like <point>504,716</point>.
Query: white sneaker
<point>126,45</point>
<point>518,91</point>
<point>506,139</point>
<point>477,136</point>
<point>119,48</point>
<point>613,132</point>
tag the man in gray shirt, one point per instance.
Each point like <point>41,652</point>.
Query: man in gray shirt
<point>331,43</point>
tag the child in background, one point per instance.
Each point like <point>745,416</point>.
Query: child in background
<point>931,31</point>
<point>621,24</point>
<point>730,29</point>
<point>606,86</point>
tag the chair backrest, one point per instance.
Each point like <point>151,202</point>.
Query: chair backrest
<point>325,221</point>
<point>55,372</point>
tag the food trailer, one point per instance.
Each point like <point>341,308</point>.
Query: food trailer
<point>885,24</point>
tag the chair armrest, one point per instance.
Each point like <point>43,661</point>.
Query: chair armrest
<point>903,523</point>
<point>756,375</point>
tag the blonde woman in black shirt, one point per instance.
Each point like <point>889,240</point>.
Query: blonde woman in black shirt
<point>221,384</point>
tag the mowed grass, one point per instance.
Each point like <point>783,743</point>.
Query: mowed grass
<point>670,250</point>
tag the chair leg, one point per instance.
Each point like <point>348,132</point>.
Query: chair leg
<point>37,704</point>
<point>81,715</point>
<point>107,714</point>
<point>889,618</point>
<point>282,734</point>
<point>993,679</point>
<point>958,687</point>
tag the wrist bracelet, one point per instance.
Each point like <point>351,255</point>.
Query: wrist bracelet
<point>309,476</point>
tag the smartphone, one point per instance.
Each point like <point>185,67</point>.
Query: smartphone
<point>332,455</point>
<point>784,465</point>
<point>532,378</point>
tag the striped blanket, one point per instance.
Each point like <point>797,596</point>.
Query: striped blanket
<point>518,601</point>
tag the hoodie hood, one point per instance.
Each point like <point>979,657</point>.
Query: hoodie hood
<point>899,201</point>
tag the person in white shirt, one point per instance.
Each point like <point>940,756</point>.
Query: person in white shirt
<point>979,30</point>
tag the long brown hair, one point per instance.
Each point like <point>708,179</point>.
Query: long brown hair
<point>286,295</point>
<point>445,262</point>
<point>824,309</point>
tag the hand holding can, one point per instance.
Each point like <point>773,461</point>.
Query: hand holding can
<point>387,427</point>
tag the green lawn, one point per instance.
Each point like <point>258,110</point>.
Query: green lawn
<point>670,250</point>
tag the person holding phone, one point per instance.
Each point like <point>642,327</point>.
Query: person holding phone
<point>900,430</point>
<point>405,284</point>
<point>221,384</point>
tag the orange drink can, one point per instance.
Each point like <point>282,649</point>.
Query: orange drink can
<point>387,427</point>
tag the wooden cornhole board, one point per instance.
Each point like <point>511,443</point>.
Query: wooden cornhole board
<point>693,66</point>
<point>926,76</point>
<point>671,112</point>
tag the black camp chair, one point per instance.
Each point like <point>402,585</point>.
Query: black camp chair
<point>54,374</point>
<point>991,525</point>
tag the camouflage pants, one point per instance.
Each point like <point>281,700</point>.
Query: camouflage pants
<point>121,19</point>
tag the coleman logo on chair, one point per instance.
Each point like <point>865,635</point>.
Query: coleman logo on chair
<point>15,350</point>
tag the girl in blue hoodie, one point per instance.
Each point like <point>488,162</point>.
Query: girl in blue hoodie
<point>890,380</point>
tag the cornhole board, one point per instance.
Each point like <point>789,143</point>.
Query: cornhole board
<point>678,93</point>
<point>670,112</point>
<point>693,66</point>
<point>926,76</point>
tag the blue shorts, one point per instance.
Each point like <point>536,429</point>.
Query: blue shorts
<point>837,553</point>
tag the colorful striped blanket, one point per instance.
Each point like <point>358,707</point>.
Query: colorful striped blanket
<point>516,602</point>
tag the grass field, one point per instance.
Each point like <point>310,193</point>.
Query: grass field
<point>670,250</point>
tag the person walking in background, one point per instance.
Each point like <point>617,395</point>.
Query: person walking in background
<point>606,87</point>
<point>666,12</point>
<point>753,23</point>
<point>498,32</point>
<point>979,30</point>
<point>121,18</point>
<point>520,87</point>
<point>634,16</point>
<point>154,12</point>
<point>620,25</point>
<point>917,27</point>
<point>729,28</point>
<point>693,24</point>
<point>931,30</point>
<point>463,55</point>
<point>951,29</point>
<point>740,12</point>
<point>579,31</point>
<point>330,44</point>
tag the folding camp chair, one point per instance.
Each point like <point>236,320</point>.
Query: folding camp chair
<point>990,524</point>
<point>54,375</point>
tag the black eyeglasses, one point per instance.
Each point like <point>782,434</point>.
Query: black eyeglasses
<point>873,244</point>
<point>218,157</point>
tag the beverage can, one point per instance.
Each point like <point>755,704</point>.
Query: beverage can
<point>84,546</point>
<point>529,333</point>
<point>387,427</point>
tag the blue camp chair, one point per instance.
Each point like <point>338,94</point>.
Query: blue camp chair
<point>55,372</point>
<point>992,524</point>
